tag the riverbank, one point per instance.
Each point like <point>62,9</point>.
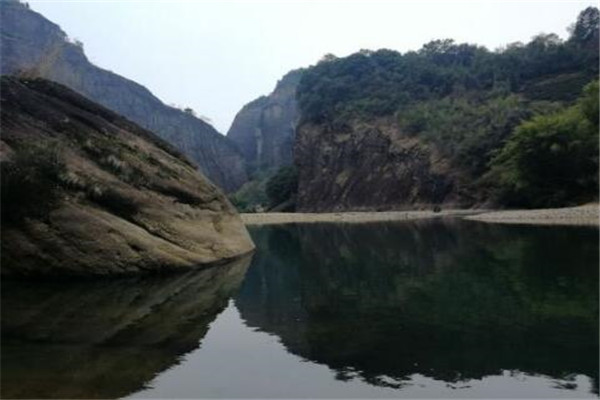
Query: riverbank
<point>582,215</point>
<point>348,217</point>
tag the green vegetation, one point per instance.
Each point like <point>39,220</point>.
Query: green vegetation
<point>467,101</point>
<point>36,178</point>
<point>282,186</point>
<point>552,160</point>
<point>468,129</point>
<point>268,189</point>
<point>30,182</point>
<point>377,83</point>
<point>252,196</point>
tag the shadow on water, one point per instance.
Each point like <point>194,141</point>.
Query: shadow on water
<point>451,300</point>
<point>109,338</point>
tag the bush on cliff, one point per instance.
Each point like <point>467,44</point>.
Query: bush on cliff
<point>552,160</point>
<point>282,186</point>
<point>30,183</point>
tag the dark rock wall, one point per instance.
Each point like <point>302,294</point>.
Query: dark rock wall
<point>368,166</point>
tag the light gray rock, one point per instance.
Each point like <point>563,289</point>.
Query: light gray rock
<point>264,129</point>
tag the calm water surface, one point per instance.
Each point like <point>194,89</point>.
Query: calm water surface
<point>424,309</point>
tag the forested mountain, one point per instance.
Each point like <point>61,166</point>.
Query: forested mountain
<point>381,129</point>
<point>32,46</point>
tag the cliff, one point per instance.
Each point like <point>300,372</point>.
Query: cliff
<point>32,46</point>
<point>369,166</point>
<point>264,129</point>
<point>87,192</point>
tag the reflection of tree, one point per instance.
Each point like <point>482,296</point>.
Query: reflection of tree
<point>451,301</point>
<point>104,339</point>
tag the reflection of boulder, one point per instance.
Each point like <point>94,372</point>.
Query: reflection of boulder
<point>105,339</point>
<point>449,300</point>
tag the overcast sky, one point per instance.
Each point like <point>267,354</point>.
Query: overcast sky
<point>217,55</point>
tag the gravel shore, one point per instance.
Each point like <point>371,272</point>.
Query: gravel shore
<point>347,217</point>
<point>583,215</point>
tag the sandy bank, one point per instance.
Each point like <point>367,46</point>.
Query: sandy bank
<point>582,215</point>
<point>347,217</point>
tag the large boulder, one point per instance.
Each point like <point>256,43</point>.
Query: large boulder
<point>85,191</point>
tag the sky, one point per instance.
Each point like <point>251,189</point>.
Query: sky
<point>217,55</point>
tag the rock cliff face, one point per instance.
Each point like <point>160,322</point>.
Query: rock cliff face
<point>32,46</point>
<point>264,129</point>
<point>85,191</point>
<point>368,166</point>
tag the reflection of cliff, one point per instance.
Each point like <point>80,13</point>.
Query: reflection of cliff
<point>105,339</point>
<point>451,301</point>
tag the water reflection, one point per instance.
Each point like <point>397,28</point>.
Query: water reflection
<point>452,301</point>
<point>109,338</point>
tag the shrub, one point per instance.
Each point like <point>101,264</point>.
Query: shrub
<point>282,186</point>
<point>115,202</point>
<point>30,183</point>
<point>552,160</point>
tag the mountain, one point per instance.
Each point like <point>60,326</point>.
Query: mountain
<point>32,46</point>
<point>87,192</point>
<point>264,129</point>
<point>385,130</point>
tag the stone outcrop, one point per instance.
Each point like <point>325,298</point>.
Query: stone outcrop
<point>86,191</point>
<point>369,166</point>
<point>264,129</point>
<point>32,46</point>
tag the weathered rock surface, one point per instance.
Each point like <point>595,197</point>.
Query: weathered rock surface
<point>125,201</point>
<point>264,129</point>
<point>369,166</point>
<point>32,46</point>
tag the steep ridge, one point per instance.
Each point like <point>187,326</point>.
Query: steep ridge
<point>87,192</point>
<point>264,129</point>
<point>32,46</point>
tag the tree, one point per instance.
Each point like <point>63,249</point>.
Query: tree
<point>189,110</point>
<point>282,186</point>
<point>552,160</point>
<point>30,182</point>
<point>586,28</point>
